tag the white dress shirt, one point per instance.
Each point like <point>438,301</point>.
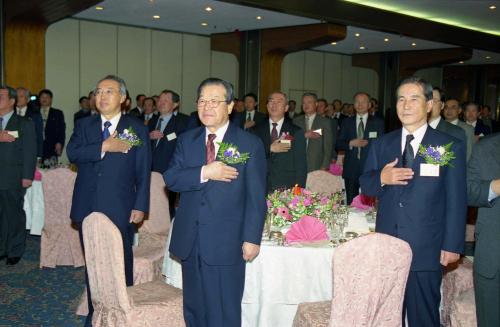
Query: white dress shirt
<point>454,122</point>
<point>252,114</point>
<point>219,136</point>
<point>309,121</point>
<point>473,124</point>
<point>418,135</point>
<point>435,122</point>
<point>278,127</point>
<point>22,111</point>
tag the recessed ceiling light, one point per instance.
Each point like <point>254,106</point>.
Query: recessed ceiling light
<point>362,48</point>
<point>204,24</point>
<point>493,7</point>
<point>333,43</point>
<point>357,34</point>
<point>156,16</point>
<point>460,62</point>
<point>386,40</point>
<point>258,17</point>
<point>208,9</point>
<point>413,44</point>
<point>488,57</point>
<point>99,8</point>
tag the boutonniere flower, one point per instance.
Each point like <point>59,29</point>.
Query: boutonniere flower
<point>286,136</point>
<point>128,135</point>
<point>229,154</point>
<point>440,155</point>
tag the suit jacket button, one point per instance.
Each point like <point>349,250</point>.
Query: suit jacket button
<point>401,204</point>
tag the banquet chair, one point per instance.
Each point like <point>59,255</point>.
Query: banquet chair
<point>149,304</point>
<point>463,310</point>
<point>369,279</point>
<point>60,243</point>
<point>457,279</point>
<point>323,182</point>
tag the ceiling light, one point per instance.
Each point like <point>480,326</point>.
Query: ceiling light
<point>99,8</point>
<point>488,57</point>
<point>413,44</point>
<point>493,7</point>
<point>258,17</point>
<point>156,16</point>
<point>357,34</point>
<point>204,24</point>
<point>362,48</point>
<point>333,43</point>
<point>208,9</point>
<point>386,40</point>
<point>460,62</point>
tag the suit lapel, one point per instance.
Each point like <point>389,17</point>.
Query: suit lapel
<point>13,123</point>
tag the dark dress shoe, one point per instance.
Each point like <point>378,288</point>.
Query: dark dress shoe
<point>13,261</point>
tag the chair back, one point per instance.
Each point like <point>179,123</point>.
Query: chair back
<point>58,187</point>
<point>323,182</point>
<point>158,221</point>
<point>105,265</point>
<point>369,280</point>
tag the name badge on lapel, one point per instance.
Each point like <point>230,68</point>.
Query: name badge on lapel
<point>171,136</point>
<point>429,170</point>
<point>372,135</point>
<point>14,134</point>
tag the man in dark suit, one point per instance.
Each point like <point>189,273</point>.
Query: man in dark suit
<point>84,110</point>
<point>218,226</point>
<point>26,108</point>
<point>483,191</point>
<point>163,132</point>
<point>53,124</point>
<point>422,204</point>
<point>284,144</point>
<point>451,113</point>
<point>356,134</point>
<point>471,115</point>
<point>318,134</point>
<point>149,105</point>
<point>250,117</point>
<point>18,162</point>
<point>138,111</point>
<point>113,176</point>
<point>437,122</point>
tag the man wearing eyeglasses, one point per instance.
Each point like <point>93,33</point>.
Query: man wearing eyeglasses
<point>219,222</point>
<point>113,176</point>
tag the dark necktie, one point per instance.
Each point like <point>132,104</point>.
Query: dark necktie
<point>210,148</point>
<point>274,133</point>
<point>408,154</point>
<point>160,121</point>
<point>105,132</point>
<point>1,123</point>
<point>249,116</point>
<point>360,133</point>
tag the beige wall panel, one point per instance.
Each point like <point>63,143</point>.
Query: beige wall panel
<point>367,81</point>
<point>134,59</point>
<point>433,75</point>
<point>225,65</point>
<point>195,68</point>
<point>292,75</point>
<point>61,64</point>
<point>98,53</point>
<point>166,57</point>
<point>313,72</point>
<point>349,80</point>
<point>332,85</point>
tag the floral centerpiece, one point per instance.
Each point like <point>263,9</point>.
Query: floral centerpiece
<point>285,207</point>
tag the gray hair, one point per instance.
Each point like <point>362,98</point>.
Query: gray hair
<point>119,80</point>
<point>217,81</point>
<point>310,94</point>
<point>426,86</point>
<point>25,90</point>
<point>12,93</point>
<point>279,92</point>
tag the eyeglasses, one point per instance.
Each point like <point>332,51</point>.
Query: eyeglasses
<point>100,92</point>
<point>213,103</point>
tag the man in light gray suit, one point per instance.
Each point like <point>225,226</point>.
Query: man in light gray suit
<point>319,136</point>
<point>438,123</point>
<point>451,111</point>
<point>483,191</point>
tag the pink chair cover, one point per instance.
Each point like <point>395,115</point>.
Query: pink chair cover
<point>60,243</point>
<point>463,310</point>
<point>456,280</point>
<point>149,304</point>
<point>321,181</point>
<point>369,280</point>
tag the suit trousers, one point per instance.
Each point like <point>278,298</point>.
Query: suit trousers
<point>487,294</point>
<point>422,299</point>
<point>212,294</point>
<point>351,189</point>
<point>12,223</point>
<point>127,232</point>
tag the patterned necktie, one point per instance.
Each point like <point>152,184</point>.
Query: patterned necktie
<point>249,116</point>
<point>408,154</point>
<point>1,123</point>
<point>361,133</point>
<point>210,148</point>
<point>105,132</point>
<point>274,133</point>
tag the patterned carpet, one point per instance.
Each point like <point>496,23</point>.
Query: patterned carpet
<point>30,296</point>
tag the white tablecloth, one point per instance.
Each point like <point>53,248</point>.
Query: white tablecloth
<point>279,279</point>
<point>35,208</point>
